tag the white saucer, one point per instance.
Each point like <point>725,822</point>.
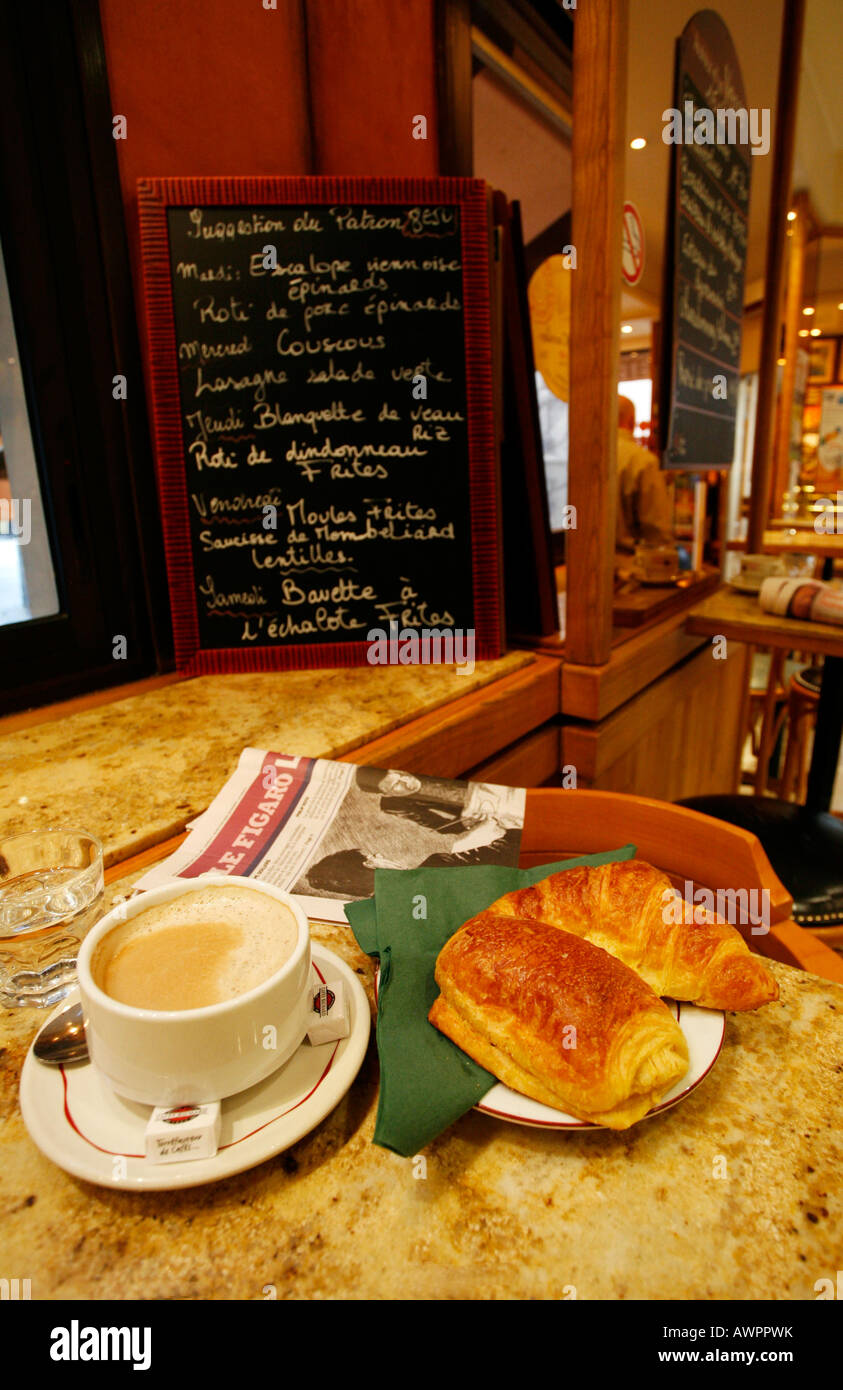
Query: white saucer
<point>743,584</point>
<point>76,1119</point>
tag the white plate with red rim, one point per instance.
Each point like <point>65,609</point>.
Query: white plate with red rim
<point>704,1031</point>
<point>79,1122</point>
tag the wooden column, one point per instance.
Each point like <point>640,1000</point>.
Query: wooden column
<point>793,321</point>
<point>762,458</point>
<point>452,38</point>
<point>656,340</point>
<point>599,140</point>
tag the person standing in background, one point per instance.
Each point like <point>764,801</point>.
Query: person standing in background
<point>645,499</point>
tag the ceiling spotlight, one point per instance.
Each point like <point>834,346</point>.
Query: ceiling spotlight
<point>626,328</point>
<point>791,216</point>
<point>781,361</point>
<point>638,143</point>
<point>803,333</point>
<point>809,310</point>
<point>815,332</point>
<point>840,306</point>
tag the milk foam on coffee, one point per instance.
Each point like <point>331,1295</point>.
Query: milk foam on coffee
<point>200,948</point>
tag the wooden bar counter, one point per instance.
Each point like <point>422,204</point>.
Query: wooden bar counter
<point>660,717</point>
<point>134,770</point>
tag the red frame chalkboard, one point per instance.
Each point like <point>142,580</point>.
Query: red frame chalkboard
<point>155,196</point>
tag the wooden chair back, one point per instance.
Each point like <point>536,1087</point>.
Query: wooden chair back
<point>686,845</point>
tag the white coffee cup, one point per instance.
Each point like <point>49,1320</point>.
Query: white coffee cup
<point>196,1055</point>
<point>760,567</point>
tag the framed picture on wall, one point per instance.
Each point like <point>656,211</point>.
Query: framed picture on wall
<point>823,355</point>
<point>811,413</point>
<point>830,440</point>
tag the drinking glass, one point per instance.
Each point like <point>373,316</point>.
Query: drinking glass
<point>51,892</point>
<point>799,566</point>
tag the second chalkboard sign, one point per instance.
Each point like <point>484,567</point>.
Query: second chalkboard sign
<point>322,392</point>
<point>706,246</point>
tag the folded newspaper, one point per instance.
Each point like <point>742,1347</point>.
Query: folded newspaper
<point>319,829</point>
<point>809,600</point>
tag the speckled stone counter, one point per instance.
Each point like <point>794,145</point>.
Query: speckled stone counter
<point>734,1193</point>
<point>136,771</point>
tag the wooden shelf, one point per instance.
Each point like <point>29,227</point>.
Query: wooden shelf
<point>592,692</point>
<point>645,605</point>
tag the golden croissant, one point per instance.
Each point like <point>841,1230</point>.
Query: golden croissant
<point>629,909</point>
<point>557,1019</point>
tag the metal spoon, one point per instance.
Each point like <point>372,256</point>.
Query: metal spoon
<point>62,1039</point>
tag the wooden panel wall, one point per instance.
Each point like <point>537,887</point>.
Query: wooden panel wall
<point>680,737</point>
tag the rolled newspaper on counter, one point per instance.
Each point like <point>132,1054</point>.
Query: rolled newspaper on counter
<point>807,599</point>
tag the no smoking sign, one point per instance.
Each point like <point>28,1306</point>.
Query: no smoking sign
<point>632,254</point>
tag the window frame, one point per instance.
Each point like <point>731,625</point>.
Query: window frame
<point>64,239</point>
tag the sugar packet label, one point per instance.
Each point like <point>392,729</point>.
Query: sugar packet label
<point>328,1014</point>
<point>178,1133</point>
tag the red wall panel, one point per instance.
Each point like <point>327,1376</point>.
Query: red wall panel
<point>227,86</point>
<point>372,70</point>
<point>207,87</point>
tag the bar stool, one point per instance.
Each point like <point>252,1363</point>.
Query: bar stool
<point>804,846</point>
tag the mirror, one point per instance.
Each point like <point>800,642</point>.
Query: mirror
<point>27,578</point>
<point>818,473</point>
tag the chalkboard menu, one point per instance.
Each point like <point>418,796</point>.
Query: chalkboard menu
<point>322,395</point>
<point>706,248</point>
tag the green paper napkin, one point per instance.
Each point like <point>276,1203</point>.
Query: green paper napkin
<point>427,1082</point>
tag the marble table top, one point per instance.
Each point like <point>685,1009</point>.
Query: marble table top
<point>135,771</point>
<point>732,1194</point>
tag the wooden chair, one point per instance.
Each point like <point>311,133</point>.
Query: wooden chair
<point>770,703</point>
<point>803,699</point>
<point>767,714</point>
<point>686,845</point>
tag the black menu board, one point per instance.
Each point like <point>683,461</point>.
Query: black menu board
<point>706,248</point>
<point>321,374</point>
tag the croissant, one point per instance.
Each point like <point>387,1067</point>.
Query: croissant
<point>557,1019</point>
<point>626,909</point>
